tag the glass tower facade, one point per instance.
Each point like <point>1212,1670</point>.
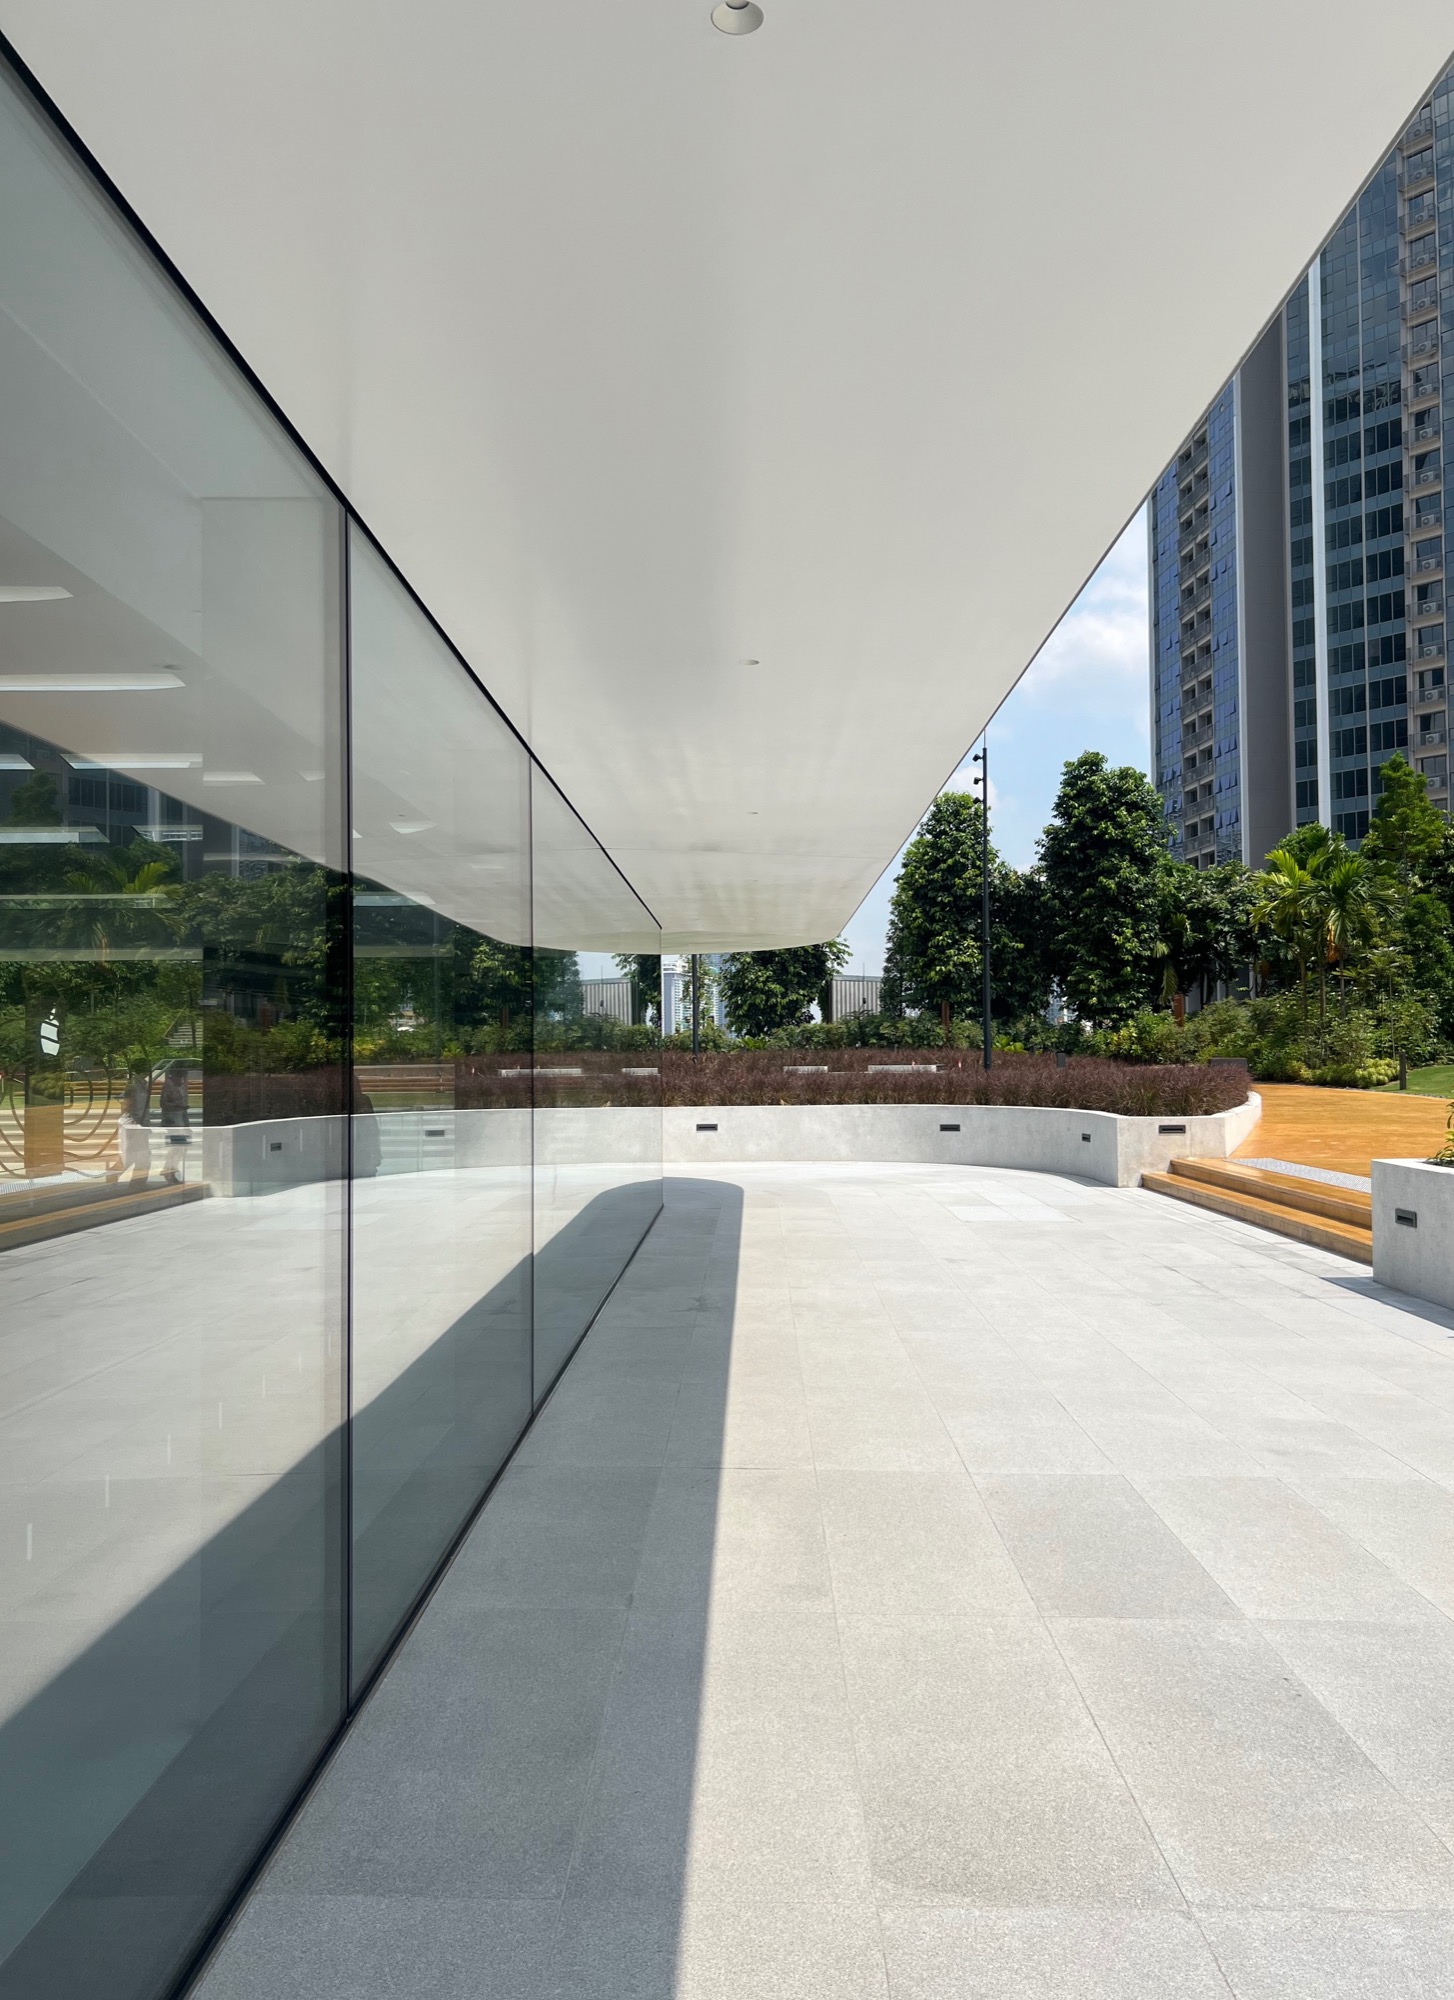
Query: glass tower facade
<point>1193,529</point>
<point>313,1168</point>
<point>1359,478</point>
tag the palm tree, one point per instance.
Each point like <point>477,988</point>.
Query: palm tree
<point>134,894</point>
<point>1351,902</point>
<point>1286,906</point>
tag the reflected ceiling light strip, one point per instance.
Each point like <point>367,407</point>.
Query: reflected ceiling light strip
<point>50,836</point>
<point>31,593</point>
<point>412,825</point>
<point>231,778</point>
<point>137,760</point>
<point>100,683</point>
<point>11,760</point>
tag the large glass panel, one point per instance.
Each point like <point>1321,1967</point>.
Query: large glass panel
<point>597,1079</point>
<point>172,1217</point>
<point>441,1141</point>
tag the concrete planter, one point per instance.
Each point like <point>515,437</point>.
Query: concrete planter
<point>1413,1228</point>
<point>1095,1144</point>
<point>291,1152</point>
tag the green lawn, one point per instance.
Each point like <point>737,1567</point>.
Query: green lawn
<point>1435,1081</point>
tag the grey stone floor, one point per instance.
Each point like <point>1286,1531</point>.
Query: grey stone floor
<point>925,1582</point>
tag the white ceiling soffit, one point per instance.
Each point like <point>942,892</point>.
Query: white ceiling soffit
<point>747,408</point>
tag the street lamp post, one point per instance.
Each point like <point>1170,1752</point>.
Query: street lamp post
<point>696,1007</point>
<point>987,1031</point>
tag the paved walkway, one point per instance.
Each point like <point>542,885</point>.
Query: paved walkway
<point>926,1584</point>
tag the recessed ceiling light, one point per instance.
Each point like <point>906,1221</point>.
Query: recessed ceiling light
<point>311,777</point>
<point>231,778</point>
<point>31,593</point>
<point>737,17</point>
<point>412,825</point>
<point>11,760</point>
<point>138,760</point>
<point>150,677</point>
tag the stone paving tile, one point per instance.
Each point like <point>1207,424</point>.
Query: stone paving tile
<point>890,1606</point>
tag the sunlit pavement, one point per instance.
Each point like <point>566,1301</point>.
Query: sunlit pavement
<point>925,1582</point>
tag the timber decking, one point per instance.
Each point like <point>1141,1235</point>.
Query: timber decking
<point>1345,1130</point>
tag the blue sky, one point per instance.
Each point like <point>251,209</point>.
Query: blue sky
<point>1085,690</point>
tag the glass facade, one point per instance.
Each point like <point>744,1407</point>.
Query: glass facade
<point>313,1166</point>
<point>1193,527</point>
<point>1363,338</point>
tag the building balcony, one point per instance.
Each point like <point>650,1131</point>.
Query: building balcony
<point>1428,607</point>
<point>1425,427</point>
<point>1431,739</point>
<point>1427,476</point>
<point>1416,175</point>
<point>1423,340</point>
<point>1425,260</point>
<point>1420,133</point>
<point>1426,391</point>
<point>1428,517</point>
<point>1419,565</point>
<point>1432,650</point>
<point>1419,216</point>
<point>1418,310</point>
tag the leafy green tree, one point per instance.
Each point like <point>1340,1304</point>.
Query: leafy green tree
<point>764,991</point>
<point>1406,831</point>
<point>643,969</point>
<point>1019,960</point>
<point>932,953</point>
<point>1102,857</point>
<point>1204,926</point>
<point>36,802</point>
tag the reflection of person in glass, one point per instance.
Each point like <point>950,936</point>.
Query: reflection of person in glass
<point>133,1136</point>
<point>176,1117</point>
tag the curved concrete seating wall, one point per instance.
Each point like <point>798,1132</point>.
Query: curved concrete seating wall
<point>1096,1144</point>
<point>286,1152</point>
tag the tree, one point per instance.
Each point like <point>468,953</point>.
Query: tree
<point>1352,902</point>
<point>1019,965</point>
<point>1204,924</point>
<point>1286,910</point>
<point>516,983</point>
<point>767,990</point>
<point>36,801</point>
<point>932,955</point>
<point>1102,856</point>
<point>1406,832</point>
<point>643,969</point>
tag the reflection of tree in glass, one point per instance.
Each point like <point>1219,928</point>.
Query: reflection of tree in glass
<point>36,802</point>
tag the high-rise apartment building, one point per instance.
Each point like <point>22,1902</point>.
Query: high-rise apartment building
<point>1297,541</point>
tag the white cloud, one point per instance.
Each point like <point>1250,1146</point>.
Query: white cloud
<point>1097,654</point>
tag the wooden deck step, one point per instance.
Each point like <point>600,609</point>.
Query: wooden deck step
<point>1266,1211</point>
<point>114,1204</point>
<point>1312,1197</point>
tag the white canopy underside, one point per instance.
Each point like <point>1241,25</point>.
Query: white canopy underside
<point>747,409</point>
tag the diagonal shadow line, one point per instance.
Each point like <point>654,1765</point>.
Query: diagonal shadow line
<point>243,1642</point>
<point>517,1818</point>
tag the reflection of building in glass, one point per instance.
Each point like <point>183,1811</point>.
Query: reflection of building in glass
<point>1297,541</point>
<point>291,929</point>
